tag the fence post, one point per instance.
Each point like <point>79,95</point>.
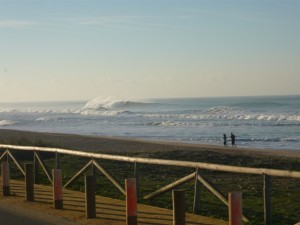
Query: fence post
<point>137,180</point>
<point>131,201</point>
<point>5,178</point>
<point>196,207</point>
<point>57,189</point>
<point>267,199</point>
<point>57,161</point>
<point>93,168</point>
<point>178,207</point>
<point>29,182</point>
<point>90,200</point>
<point>36,169</point>
<point>235,208</point>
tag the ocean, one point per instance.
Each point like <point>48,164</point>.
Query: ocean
<point>258,122</point>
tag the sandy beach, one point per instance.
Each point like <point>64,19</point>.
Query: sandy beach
<point>125,145</point>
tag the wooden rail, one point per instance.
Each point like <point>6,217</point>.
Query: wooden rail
<point>201,165</point>
<point>267,173</point>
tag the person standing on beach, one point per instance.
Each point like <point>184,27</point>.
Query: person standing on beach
<point>225,140</point>
<point>232,136</point>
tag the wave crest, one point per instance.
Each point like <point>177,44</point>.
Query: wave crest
<point>110,103</point>
<point>226,113</point>
<point>103,112</point>
<point>7,123</point>
<point>276,139</point>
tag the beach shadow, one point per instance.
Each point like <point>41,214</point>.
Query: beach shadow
<point>111,219</point>
<point>42,191</point>
<point>72,200</point>
<point>111,214</point>
<point>112,209</point>
<point>74,210</point>
<point>43,200</point>
<point>158,213</point>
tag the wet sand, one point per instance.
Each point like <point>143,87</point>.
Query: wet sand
<point>128,145</point>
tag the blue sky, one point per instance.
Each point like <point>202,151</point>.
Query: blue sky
<point>82,49</point>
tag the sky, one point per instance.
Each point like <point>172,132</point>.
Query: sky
<point>55,50</point>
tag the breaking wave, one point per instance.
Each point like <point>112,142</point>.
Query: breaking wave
<point>170,124</point>
<point>226,113</point>
<point>45,119</point>
<point>7,123</point>
<point>110,103</point>
<point>262,122</point>
<point>277,139</point>
<point>104,112</point>
<point>40,111</point>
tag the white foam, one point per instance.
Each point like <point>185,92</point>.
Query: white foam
<point>7,123</point>
<point>39,111</point>
<point>105,103</point>
<point>112,103</point>
<point>292,139</point>
<point>103,112</point>
<point>44,119</point>
<point>98,103</point>
<point>226,116</point>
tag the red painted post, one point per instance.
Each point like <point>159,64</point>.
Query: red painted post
<point>57,189</point>
<point>131,202</point>
<point>5,178</point>
<point>235,208</point>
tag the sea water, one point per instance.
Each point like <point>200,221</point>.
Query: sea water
<point>260,122</point>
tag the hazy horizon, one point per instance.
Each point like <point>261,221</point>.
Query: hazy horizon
<point>110,98</point>
<point>128,49</point>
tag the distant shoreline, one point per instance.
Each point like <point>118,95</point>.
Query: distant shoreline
<point>258,122</point>
<point>121,145</point>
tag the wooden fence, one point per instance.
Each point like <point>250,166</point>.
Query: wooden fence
<point>266,173</point>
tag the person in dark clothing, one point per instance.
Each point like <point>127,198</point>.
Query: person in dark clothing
<point>232,136</point>
<point>225,140</point>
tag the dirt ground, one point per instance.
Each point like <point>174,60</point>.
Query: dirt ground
<point>109,211</point>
